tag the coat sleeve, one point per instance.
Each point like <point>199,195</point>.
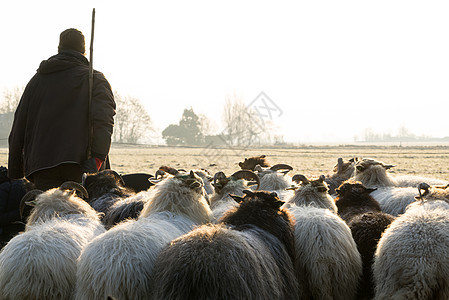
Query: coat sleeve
<point>103,112</point>
<point>17,135</point>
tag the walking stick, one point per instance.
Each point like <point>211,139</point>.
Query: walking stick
<point>91,86</point>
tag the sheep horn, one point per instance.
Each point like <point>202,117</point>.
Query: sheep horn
<point>281,167</point>
<point>119,177</point>
<point>247,175</point>
<point>72,185</point>
<point>299,177</point>
<point>169,170</point>
<point>423,186</point>
<point>340,164</point>
<point>388,166</point>
<point>27,200</point>
<point>159,172</point>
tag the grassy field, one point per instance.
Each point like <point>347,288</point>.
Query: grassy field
<point>429,161</point>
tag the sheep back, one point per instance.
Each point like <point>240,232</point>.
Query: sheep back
<point>119,262</point>
<point>394,200</point>
<point>326,254</point>
<point>411,258</point>
<point>172,195</point>
<point>215,262</point>
<point>366,229</point>
<point>41,262</point>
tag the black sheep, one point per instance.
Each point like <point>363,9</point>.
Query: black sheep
<point>367,222</point>
<point>248,256</point>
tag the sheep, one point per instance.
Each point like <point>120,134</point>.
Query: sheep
<point>313,192</point>
<point>327,262</point>
<point>367,223</point>
<point>342,171</point>
<point>248,256</point>
<point>275,179</point>
<point>125,208</point>
<point>203,173</point>
<point>235,184</point>
<point>411,258</point>
<point>392,199</point>
<point>378,176</point>
<point>252,162</point>
<point>40,263</point>
<point>105,188</point>
<point>207,180</point>
<point>109,196</point>
<point>119,262</point>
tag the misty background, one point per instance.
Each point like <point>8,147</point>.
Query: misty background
<point>330,71</point>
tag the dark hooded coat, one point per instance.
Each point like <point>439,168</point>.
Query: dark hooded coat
<point>51,121</point>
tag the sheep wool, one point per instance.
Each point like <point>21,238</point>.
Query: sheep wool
<point>327,261</point>
<point>411,259</point>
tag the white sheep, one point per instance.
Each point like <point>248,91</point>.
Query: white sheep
<point>40,263</point>
<point>119,262</point>
<point>392,198</point>
<point>327,260</point>
<point>275,179</point>
<point>411,258</point>
<point>379,176</point>
<point>313,192</point>
<point>220,201</point>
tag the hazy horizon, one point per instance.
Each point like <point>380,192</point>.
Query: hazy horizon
<point>333,68</point>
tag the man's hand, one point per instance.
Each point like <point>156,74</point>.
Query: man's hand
<point>89,166</point>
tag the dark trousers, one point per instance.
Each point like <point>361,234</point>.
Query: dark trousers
<point>53,177</point>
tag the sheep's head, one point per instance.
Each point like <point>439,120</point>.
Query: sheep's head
<point>221,180</point>
<point>190,180</point>
<point>103,182</point>
<point>60,201</point>
<point>345,169</point>
<point>432,192</point>
<point>318,184</point>
<point>366,163</point>
<point>353,188</point>
<point>252,162</point>
<point>278,168</point>
<point>269,199</point>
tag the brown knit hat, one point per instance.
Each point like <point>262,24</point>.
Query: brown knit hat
<point>72,39</point>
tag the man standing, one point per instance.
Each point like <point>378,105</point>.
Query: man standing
<point>50,135</point>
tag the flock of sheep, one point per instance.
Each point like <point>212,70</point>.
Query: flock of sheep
<point>357,233</point>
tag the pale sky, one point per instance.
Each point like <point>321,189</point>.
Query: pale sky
<point>332,67</point>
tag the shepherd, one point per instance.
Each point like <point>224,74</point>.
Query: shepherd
<point>62,126</point>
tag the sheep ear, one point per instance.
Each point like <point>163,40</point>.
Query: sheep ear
<point>370,190</point>
<point>31,203</point>
<point>279,203</point>
<point>248,192</point>
<point>237,199</point>
<point>292,188</point>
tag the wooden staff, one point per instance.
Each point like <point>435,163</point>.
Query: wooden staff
<point>91,86</point>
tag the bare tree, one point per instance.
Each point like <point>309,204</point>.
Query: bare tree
<point>243,125</point>
<point>11,99</point>
<point>132,122</point>
<point>8,105</point>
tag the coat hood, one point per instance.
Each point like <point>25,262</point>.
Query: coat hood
<point>62,61</point>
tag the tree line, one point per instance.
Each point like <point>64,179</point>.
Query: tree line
<point>241,125</point>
